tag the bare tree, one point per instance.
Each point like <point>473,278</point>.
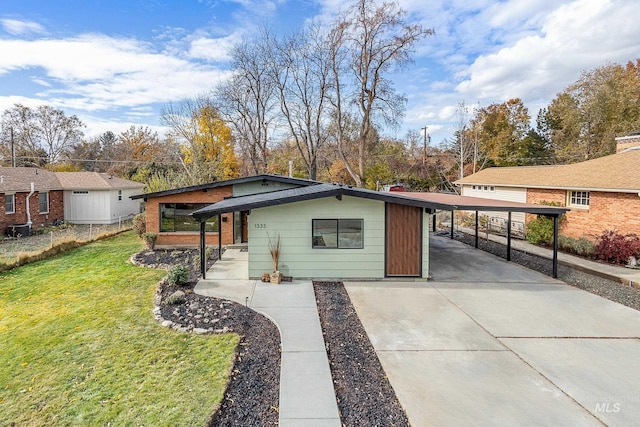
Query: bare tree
<point>301,73</point>
<point>370,41</point>
<point>248,100</point>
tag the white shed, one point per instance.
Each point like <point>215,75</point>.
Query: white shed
<point>98,198</point>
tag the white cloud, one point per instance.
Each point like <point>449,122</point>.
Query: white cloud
<point>19,28</point>
<point>213,49</point>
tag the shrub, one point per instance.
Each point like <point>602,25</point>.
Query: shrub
<point>140,224</point>
<point>616,248</point>
<point>178,275</point>
<point>208,253</point>
<point>540,229</point>
<point>581,247</point>
<point>175,298</point>
<point>150,240</point>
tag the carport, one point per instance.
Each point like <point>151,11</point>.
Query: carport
<point>454,202</point>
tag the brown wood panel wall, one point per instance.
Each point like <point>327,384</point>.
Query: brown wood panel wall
<point>403,240</point>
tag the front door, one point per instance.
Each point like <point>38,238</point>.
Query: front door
<point>244,219</point>
<point>403,240</point>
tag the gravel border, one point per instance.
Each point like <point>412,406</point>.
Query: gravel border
<point>363,392</point>
<point>609,289</point>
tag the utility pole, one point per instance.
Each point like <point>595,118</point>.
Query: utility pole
<point>424,151</point>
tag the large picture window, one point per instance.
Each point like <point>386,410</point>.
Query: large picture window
<point>579,199</point>
<point>338,233</point>
<point>9,203</point>
<point>175,217</point>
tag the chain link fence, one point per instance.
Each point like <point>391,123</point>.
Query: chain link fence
<point>13,247</point>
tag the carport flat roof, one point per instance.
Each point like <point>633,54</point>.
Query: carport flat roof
<point>448,202</point>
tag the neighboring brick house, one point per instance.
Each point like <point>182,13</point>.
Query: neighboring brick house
<point>76,197</point>
<point>45,202</point>
<point>603,193</point>
<point>169,212</point>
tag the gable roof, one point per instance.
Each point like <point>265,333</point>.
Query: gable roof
<point>429,201</point>
<point>94,181</point>
<point>215,184</point>
<point>18,180</point>
<point>615,173</point>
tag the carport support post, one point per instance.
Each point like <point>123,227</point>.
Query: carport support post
<point>555,246</point>
<point>476,229</point>
<point>433,221</point>
<point>452,212</point>
<point>203,261</point>
<point>219,237</point>
<point>509,236</point>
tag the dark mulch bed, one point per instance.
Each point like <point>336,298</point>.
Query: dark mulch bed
<point>251,398</point>
<point>365,396</point>
<point>609,289</point>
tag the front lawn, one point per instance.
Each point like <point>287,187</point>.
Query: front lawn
<point>79,346</point>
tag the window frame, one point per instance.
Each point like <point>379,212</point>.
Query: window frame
<point>214,226</point>
<point>576,199</point>
<point>13,203</point>
<point>337,233</point>
<point>80,192</point>
<point>46,193</point>
<point>119,195</point>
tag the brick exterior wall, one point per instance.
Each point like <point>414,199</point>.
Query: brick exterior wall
<point>56,210</point>
<point>187,239</point>
<point>607,211</point>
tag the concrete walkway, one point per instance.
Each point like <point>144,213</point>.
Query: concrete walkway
<point>625,275</point>
<point>307,397</point>
<point>487,342</point>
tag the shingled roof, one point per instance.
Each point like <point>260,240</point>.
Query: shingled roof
<point>18,180</point>
<point>615,173</point>
<point>94,181</point>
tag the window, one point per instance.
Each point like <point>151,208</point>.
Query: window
<point>9,203</point>
<point>579,199</point>
<point>176,217</point>
<point>492,188</point>
<point>43,201</point>
<point>80,193</point>
<point>338,233</point>
<point>119,195</point>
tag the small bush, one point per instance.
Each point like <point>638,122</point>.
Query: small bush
<point>208,253</point>
<point>178,275</point>
<point>616,248</point>
<point>540,229</point>
<point>582,247</point>
<point>150,240</point>
<point>140,224</point>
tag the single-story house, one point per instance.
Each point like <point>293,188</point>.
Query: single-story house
<point>34,197</point>
<point>29,196</point>
<point>338,231</point>
<point>169,212</point>
<point>603,193</point>
<point>98,198</point>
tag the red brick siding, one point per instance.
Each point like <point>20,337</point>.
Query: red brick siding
<point>607,211</point>
<point>189,239</point>
<point>56,210</point>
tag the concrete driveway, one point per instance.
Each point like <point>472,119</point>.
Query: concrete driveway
<point>488,342</point>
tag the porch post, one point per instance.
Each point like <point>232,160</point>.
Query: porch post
<point>203,261</point>
<point>219,237</point>
<point>509,236</point>
<point>433,221</point>
<point>476,229</point>
<point>555,246</point>
<point>452,212</point>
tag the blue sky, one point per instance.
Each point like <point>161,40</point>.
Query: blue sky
<point>115,63</point>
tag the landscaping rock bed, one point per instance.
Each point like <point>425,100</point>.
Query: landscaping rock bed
<point>252,394</point>
<point>365,396</point>
<point>611,290</point>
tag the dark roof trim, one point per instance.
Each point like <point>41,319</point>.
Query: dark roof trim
<point>215,184</point>
<point>261,200</point>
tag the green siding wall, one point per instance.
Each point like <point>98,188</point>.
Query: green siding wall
<point>298,259</point>
<point>247,188</point>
